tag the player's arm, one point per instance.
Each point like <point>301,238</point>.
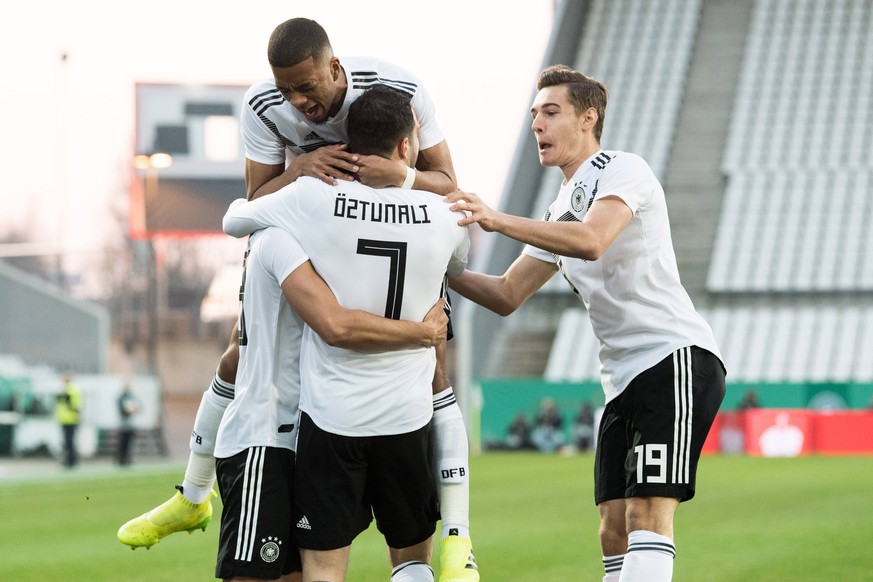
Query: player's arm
<point>327,164</point>
<point>313,300</point>
<point>587,239</point>
<point>504,294</point>
<point>245,217</point>
<point>434,170</point>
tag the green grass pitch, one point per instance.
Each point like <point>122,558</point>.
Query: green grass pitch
<point>533,519</point>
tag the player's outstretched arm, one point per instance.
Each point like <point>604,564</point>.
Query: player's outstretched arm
<point>588,239</point>
<point>504,294</point>
<point>313,300</point>
<point>245,217</point>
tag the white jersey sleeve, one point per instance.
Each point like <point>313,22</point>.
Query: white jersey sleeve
<point>458,261</point>
<point>282,255</point>
<point>628,177</point>
<point>430,134</point>
<point>261,144</point>
<point>245,217</point>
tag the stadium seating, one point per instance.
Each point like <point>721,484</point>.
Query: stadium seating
<point>805,90</point>
<point>797,159</point>
<point>640,50</point>
<point>769,343</point>
<point>793,231</point>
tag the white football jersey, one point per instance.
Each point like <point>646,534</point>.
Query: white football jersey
<point>270,125</point>
<point>264,409</point>
<point>638,307</point>
<point>384,251</point>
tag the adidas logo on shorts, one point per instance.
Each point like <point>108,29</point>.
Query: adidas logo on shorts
<point>304,523</point>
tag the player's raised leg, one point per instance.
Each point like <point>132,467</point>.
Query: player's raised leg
<point>452,473</point>
<point>190,508</point>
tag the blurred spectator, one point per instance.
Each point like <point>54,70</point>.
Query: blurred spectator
<point>128,406</point>
<point>583,428</point>
<point>68,406</point>
<point>548,434</point>
<point>518,435</point>
<point>749,401</point>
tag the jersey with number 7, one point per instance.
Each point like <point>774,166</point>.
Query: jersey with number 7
<point>385,251</point>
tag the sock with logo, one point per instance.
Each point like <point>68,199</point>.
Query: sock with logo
<point>412,572</point>
<point>451,467</point>
<point>200,472</point>
<point>612,566</point>
<point>649,558</point>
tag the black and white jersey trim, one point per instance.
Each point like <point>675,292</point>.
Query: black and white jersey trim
<point>567,217</point>
<point>682,423</point>
<point>314,146</point>
<point>600,160</point>
<point>366,79</point>
<point>253,476</point>
<point>263,101</point>
<point>260,103</point>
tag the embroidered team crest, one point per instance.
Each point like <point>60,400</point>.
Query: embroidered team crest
<point>270,549</point>
<point>577,198</point>
<point>311,136</point>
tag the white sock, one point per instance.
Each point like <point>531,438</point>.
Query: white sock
<point>200,472</point>
<point>451,466</point>
<point>649,558</point>
<point>412,572</point>
<point>199,477</point>
<point>612,566</point>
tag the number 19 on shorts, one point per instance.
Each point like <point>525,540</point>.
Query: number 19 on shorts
<point>651,463</point>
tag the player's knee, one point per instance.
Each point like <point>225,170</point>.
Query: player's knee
<point>613,539</point>
<point>453,471</point>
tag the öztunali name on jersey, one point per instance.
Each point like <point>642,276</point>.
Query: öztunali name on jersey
<point>355,209</point>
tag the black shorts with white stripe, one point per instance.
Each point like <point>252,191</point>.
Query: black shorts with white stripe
<point>651,435</point>
<point>256,538</point>
<point>342,482</point>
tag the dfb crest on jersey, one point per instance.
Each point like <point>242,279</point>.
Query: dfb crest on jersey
<point>577,198</point>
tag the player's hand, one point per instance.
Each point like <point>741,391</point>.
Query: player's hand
<point>379,172</point>
<point>437,323</point>
<point>476,210</point>
<point>327,163</point>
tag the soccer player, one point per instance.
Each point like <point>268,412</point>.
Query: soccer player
<point>608,233</point>
<point>258,431</point>
<point>363,442</point>
<point>301,114</point>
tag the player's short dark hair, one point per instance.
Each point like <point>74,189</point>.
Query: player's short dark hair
<point>295,40</point>
<point>378,120</point>
<point>583,91</point>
